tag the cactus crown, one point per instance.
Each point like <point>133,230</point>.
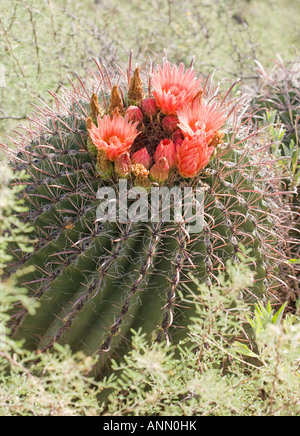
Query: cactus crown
<point>97,280</point>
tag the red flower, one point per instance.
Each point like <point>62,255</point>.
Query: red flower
<point>173,87</point>
<point>115,135</point>
<point>200,116</point>
<point>193,155</point>
<point>166,148</point>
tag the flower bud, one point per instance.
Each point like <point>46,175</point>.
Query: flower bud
<point>166,148</point>
<point>159,173</point>
<point>123,165</point>
<point>142,157</point>
<point>133,113</point>
<point>177,137</point>
<point>170,123</point>
<point>149,107</point>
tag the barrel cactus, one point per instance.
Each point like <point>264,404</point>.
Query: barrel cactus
<point>153,128</point>
<point>278,93</point>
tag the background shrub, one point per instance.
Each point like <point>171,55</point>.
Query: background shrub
<point>43,41</point>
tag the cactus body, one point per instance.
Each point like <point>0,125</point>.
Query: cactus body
<point>95,281</point>
<point>278,91</point>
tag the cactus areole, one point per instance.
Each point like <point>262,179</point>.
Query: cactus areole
<point>114,169</point>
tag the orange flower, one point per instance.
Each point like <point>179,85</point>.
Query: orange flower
<point>200,116</point>
<point>173,87</point>
<point>193,155</point>
<point>115,135</point>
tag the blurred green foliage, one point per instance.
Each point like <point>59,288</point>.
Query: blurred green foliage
<point>11,230</point>
<point>43,41</point>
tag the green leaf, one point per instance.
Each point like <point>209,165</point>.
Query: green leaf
<point>244,350</point>
<point>269,308</point>
<point>264,312</point>
<point>278,316</point>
